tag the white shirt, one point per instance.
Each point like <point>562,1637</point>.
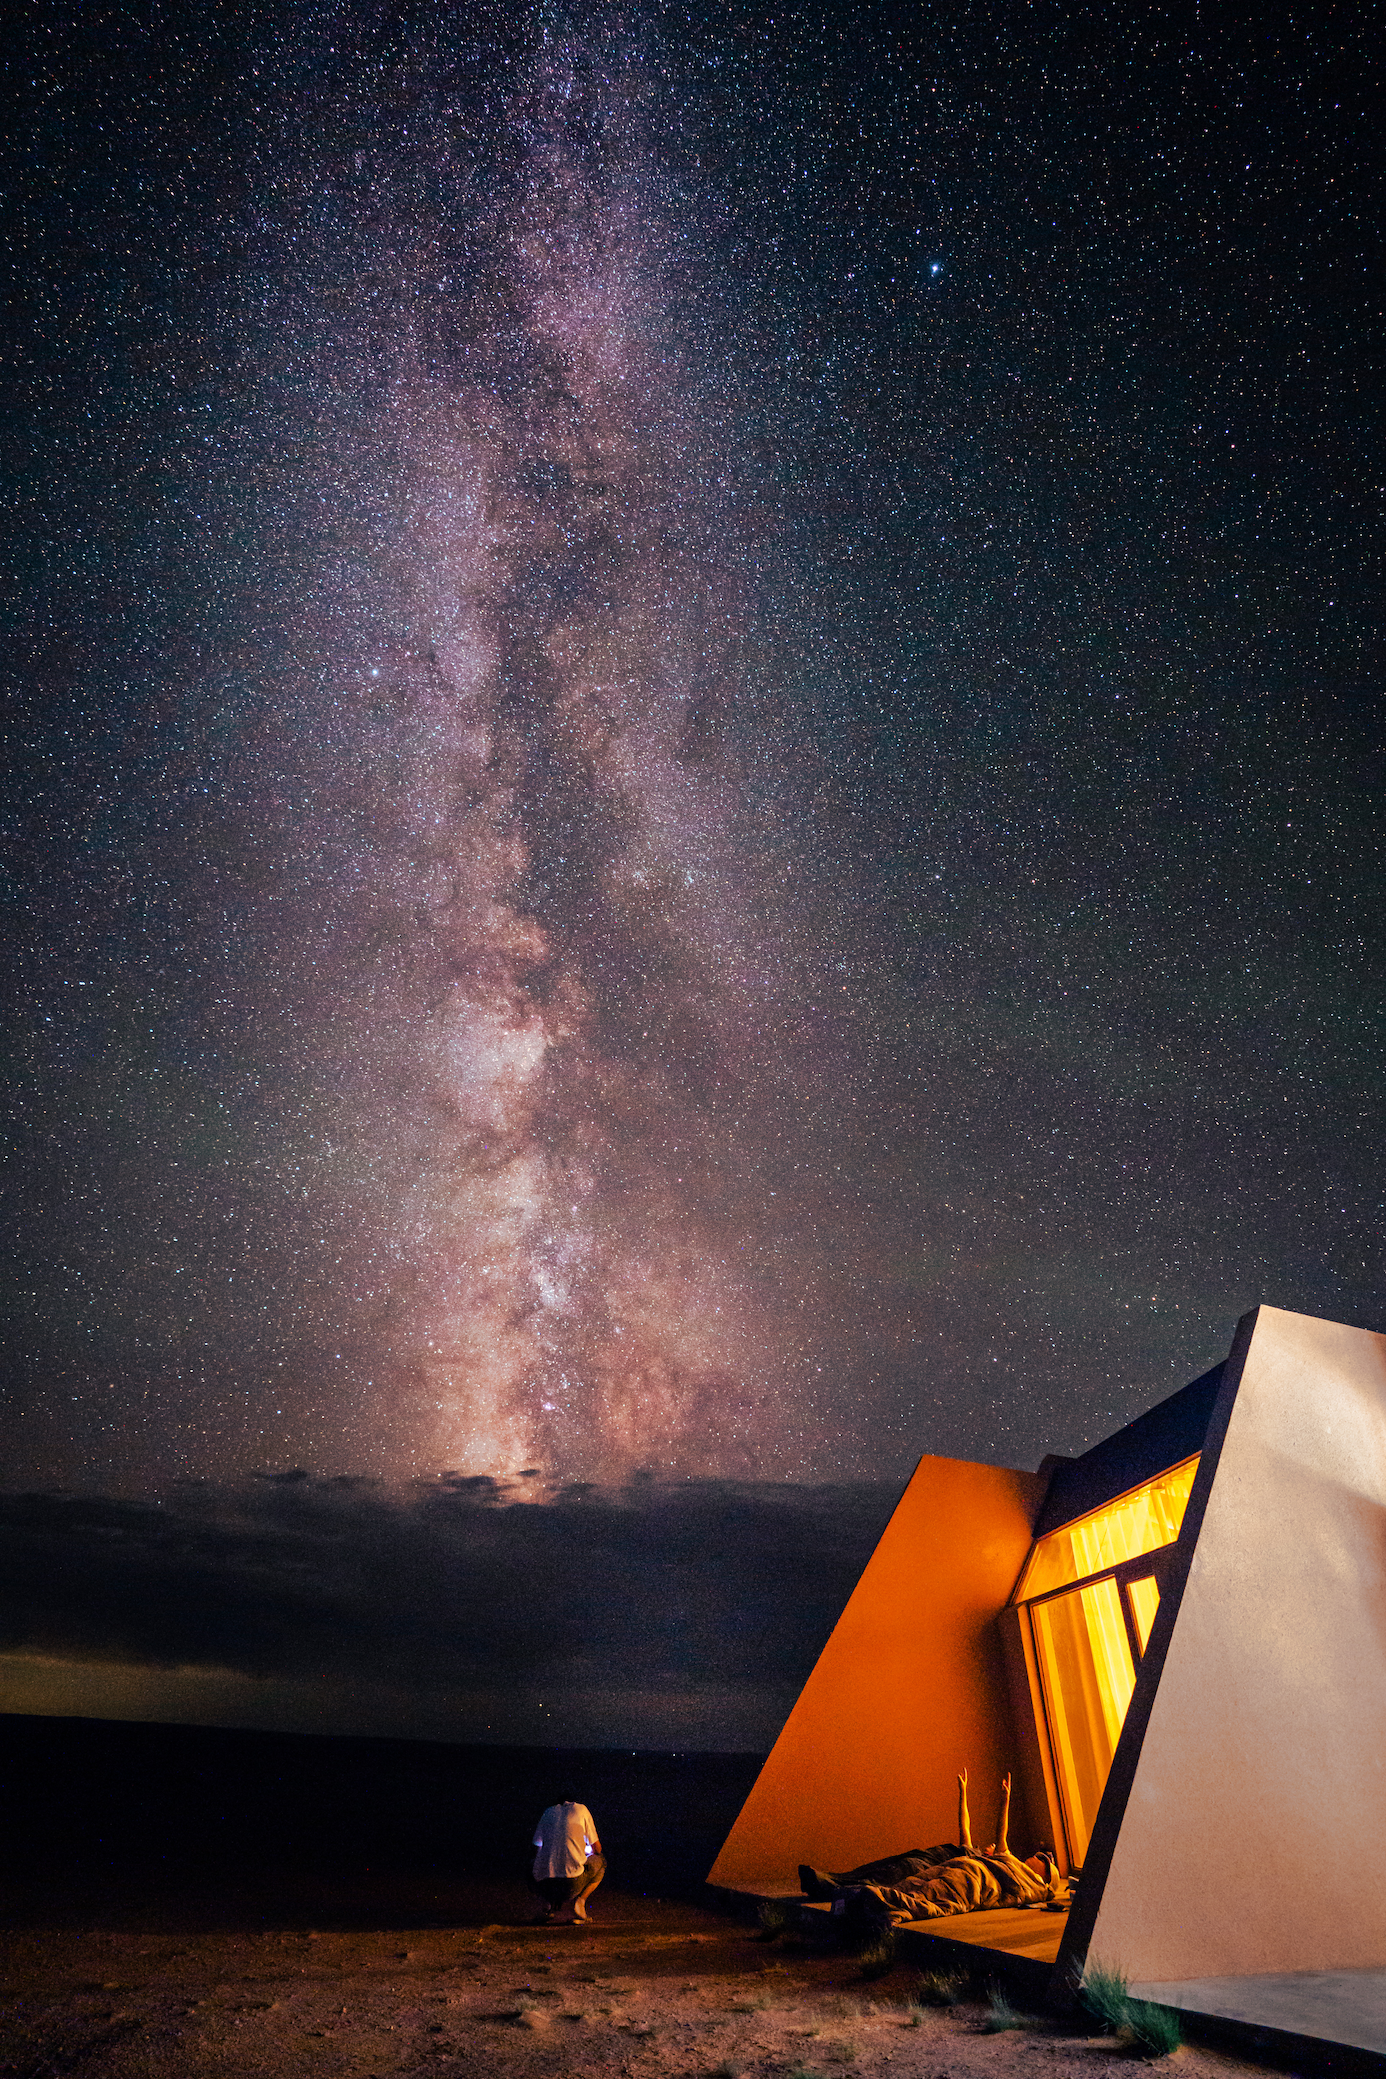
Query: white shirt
<point>565,1837</point>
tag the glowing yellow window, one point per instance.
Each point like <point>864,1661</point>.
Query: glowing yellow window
<point>1128,1528</point>
<point>1144,1598</point>
<point>1090,1613</point>
<point>1085,1666</point>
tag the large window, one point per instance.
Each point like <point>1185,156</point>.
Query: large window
<point>1089,1594</point>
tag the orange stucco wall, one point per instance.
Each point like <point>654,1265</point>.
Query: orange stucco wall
<point>1254,1831</point>
<point>910,1688</point>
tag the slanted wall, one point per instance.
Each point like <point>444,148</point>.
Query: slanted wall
<point>1252,1837</point>
<point>909,1689</point>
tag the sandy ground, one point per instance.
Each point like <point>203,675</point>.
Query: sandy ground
<point>648,1989</point>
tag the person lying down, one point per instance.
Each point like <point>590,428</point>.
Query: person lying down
<point>955,1877</point>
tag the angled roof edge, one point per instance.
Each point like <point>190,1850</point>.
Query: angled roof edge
<point>1165,1435</point>
<point>1082,1918</point>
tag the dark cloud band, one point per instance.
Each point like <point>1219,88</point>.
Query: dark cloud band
<point>617,1603</point>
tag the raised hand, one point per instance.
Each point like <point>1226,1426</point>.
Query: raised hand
<point>1002,1842</point>
<point>964,1821</point>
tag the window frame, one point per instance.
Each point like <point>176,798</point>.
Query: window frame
<point>1149,1564</point>
<point>1157,1563</point>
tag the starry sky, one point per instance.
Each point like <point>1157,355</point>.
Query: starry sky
<point>694,734</point>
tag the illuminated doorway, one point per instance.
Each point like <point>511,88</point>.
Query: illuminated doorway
<point>1088,1597</point>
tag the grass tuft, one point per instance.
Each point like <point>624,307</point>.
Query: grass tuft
<point>1146,2024</point>
<point>775,1918</point>
<point>941,1988</point>
<point>1103,1992</point>
<point>878,1956</point>
<point>1157,2029</point>
<point>1000,2015</point>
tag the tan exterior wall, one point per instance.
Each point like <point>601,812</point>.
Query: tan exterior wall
<point>1254,1832</point>
<point>910,1688</point>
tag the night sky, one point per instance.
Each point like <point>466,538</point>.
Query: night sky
<point>695,767</point>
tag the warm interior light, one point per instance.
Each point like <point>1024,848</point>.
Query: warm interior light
<point>1085,1666</point>
<point>1139,1522</point>
<point>1083,1647</point>
<point>1144,1597</point>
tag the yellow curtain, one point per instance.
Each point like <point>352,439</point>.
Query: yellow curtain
<point>1145,1601</point>
<point>1088,1676</point>
<point>1137,1523</point>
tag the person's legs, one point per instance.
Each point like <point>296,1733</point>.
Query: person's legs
<point>571,1892</point>
<point>553,1892</point>
<point>591,1878</point>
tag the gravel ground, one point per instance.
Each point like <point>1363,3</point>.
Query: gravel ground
<point>650,1990</point>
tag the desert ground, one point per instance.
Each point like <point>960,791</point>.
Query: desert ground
<point>648,1990</point>
<point>175,1902</point>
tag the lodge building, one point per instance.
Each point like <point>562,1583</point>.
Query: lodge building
<point>1176,1644</point>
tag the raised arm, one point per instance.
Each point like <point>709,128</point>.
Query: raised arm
<point>964,1822</point>
<point>1002,1845</point>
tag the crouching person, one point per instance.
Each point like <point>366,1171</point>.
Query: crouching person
<point>568,1862</point>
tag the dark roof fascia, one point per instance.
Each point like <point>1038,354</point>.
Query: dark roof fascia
<point>1146,1447</point>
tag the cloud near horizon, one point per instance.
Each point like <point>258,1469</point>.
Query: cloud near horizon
<point>680,1616</point>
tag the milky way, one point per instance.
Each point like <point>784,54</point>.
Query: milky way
<point>584,1002</point>
<point>696,788</point>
